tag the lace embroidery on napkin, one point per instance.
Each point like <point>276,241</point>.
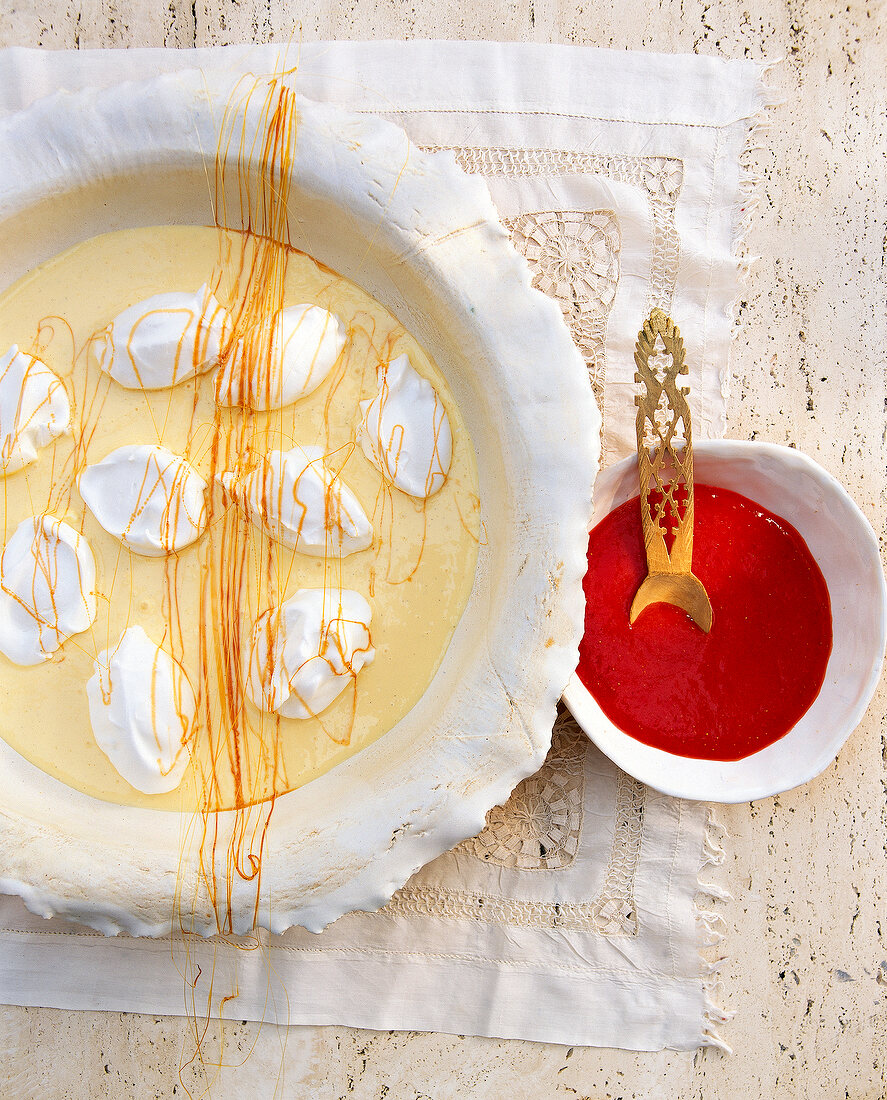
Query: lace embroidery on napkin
<point>660,178</point>
<point>575,259</point>
<point>538,829</point>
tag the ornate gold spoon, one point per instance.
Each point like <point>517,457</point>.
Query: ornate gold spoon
<point>665,469</point>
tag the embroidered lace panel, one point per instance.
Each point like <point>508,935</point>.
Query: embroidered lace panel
<point>660,178</point>
<point>574,255</point>
<point>538,829</point>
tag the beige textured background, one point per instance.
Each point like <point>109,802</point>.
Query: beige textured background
<point>807,966</point>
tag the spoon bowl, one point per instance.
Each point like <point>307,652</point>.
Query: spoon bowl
<point>683,590</point>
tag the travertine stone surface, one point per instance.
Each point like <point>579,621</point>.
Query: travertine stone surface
<point>807,966</point>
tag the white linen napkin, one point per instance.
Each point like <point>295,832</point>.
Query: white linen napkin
<point>573,917</point>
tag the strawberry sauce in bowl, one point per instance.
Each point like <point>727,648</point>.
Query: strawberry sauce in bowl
<point>765,700</point>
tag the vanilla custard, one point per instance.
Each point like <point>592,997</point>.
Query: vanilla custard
<point>201,600</point>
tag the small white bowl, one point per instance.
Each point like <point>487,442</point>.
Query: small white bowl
<point>843,543</point>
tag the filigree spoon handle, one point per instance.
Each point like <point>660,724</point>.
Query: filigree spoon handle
<point>665,471</point>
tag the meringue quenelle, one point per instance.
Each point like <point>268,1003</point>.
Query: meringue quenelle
<point>146,496</point>
<point>34,409</point>
<point>405,431</point>
<point>300,502</point>
<point>142,709</point>
<point>47,589</point>
<point>281,359</point>
<point>303,654</point>
<point>164,340</point>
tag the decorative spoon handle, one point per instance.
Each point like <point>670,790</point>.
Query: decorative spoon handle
<point>665,471</point>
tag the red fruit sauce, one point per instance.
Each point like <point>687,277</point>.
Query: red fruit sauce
<point>716,696</point>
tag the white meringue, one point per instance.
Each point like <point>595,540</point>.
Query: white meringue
<point>281,359</point>
<point>164,340</point>
<point>47,589</point>
<point>146,496</point>
<point>305,652</point>
<point>142,709</point>
<point>405,430</point>
<point>34,409</point>
<point>299,501</point>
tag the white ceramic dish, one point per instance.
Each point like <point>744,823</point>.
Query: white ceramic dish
<point>424,239</point>
<point>844,545</point>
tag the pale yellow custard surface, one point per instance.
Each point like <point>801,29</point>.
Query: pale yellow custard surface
<point>201,602</point>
